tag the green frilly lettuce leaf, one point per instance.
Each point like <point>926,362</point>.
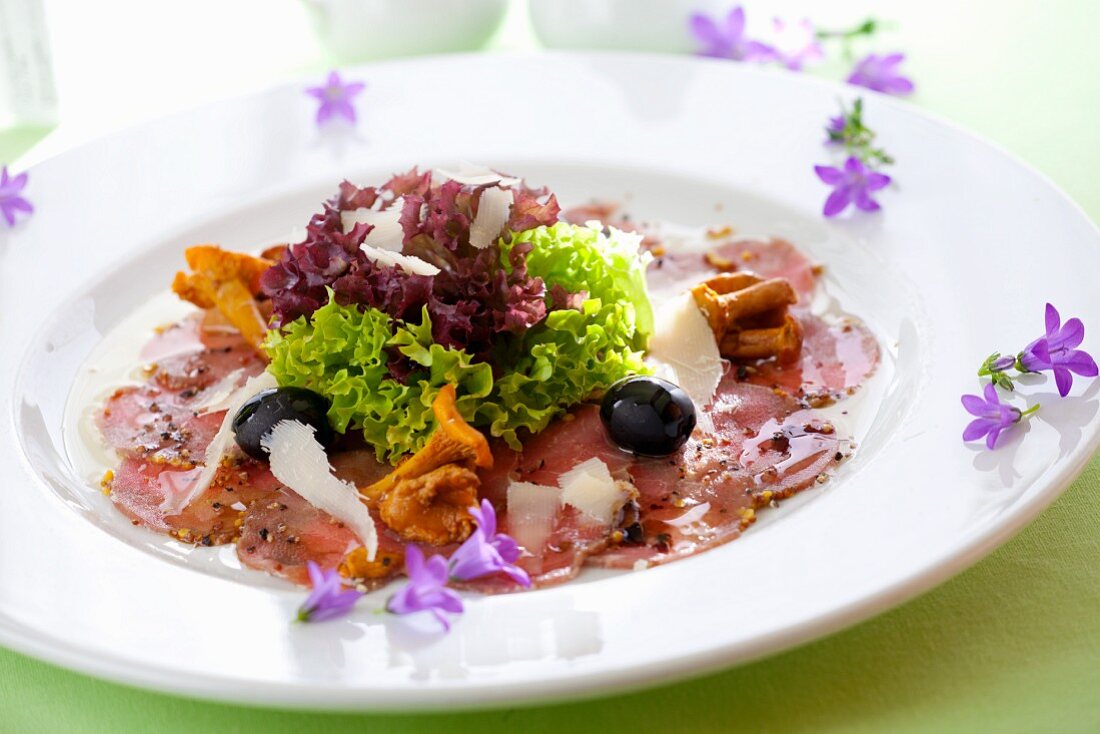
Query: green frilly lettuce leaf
<point>573,355</point>
<point>582,258</point>
<point>341,354</point>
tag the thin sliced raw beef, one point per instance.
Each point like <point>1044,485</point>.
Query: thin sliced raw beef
<point>157,421</point>
<point>576,437</point>
<point>607,213</point>
<point>772,258</point>
<point>708,493</point>
<point>358,466</point>
<point>186,358</point>
<point>836,359</point>
<point>601,211</point>
<point>674,271</point>
<point>282,532</point>
<point>139,488</point>
<point>495,480</point>
<point>147,423</point>
<point>573,539</point>
<point>162,439</point>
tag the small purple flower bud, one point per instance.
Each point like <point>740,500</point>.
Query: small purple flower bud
<point>427,588</point>
<point>993,416</point>
<point>486,551</point>
<point>852,184</point>
<point>727,40</point>
<point>1056,351</point>
<point>329,599</point>
<point>335,96</point>
<point>881,74</point>
<point>11,199</point>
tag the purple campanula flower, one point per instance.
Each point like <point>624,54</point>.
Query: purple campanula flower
<point>427,588</point>
<point>852,184</point>
<point>881,74</point>
<point>795,44</point>
<point>727,40</point>
<point>329,598</point>
<point>11,199</point>
<point>1056,351</point>
<point>834,131</point>
<point>993,416</point>
<point>335,97</point>
<point>486,551</point>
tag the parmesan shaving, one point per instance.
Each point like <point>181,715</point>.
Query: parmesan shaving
<point>409,263</point>
<point>595,499</point>
<point>492,214</point>
<point>218,396</point>
<point>387,233</point>
<point>470,174</point>
<point>299,461</point>
<point>223,442</point>
<point>594,467</point>
<point>684,351</point>
<point>588,487</point>
<point>532,511</point>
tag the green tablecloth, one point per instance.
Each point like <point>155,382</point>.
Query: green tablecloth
<point>1011,645</point>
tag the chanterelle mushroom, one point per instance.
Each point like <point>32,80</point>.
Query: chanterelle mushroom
<point>427,497</point>
<point>228,281</point>
<point>434,507</point>
<point>749,317</point>
<point>356,566</point>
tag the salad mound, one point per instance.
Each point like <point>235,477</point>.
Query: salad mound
<point>400,290</point>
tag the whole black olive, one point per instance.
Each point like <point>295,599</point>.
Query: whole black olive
<point>647,415</point>
<point>263,410</point>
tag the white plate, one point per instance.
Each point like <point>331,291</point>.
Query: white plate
<point>969,247</point>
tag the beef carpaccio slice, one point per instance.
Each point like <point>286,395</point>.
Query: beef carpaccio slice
<point>836,359</point>
<point>764,448</point>
<point>282,532</point>
<point>157,420</point>
<point>161,436</point>
<point>142,489</point>
<point>838,354</point>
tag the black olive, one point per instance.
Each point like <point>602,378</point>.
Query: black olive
<point>263,410</point>
<point>647,415</point>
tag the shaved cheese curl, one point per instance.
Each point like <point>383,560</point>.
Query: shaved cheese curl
<point>299,461</point>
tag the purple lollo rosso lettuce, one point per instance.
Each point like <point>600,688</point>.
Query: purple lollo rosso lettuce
<point>471,302</point>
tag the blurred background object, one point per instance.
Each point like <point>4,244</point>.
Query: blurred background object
<point>621,25</point>
<point>358,30</point>
<point>28,99</point>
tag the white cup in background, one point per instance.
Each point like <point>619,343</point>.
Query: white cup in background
<point>623,25</point>
<point>357,30</point>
